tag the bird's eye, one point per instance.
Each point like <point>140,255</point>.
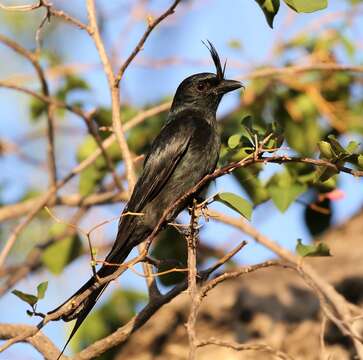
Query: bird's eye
<point>201,86</point>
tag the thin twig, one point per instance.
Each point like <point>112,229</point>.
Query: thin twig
<point>151,26</point>
<point>115,99</point>
<point>245,347</point>
<point>50,108</point>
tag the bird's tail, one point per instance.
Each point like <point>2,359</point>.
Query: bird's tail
<point>83,309</point>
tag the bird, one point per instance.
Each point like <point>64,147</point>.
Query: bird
<point>186,150</point>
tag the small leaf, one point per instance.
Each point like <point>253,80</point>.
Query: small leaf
<point>41,289</point>
<point>283,197</point>
<point>236,203</point>
<point>234,44</point>
<point>324,173</point>
<point>360,161</point>
<point>307,6</point>
<point>326,150</point>
<point>28,298</point>
<point>284,189</point>
<point>30,313</point>
<point>234,141</point>
<point>338,149</point>
<point>270,9</point>
<point>320,249</point>
<point>37,108</point>
<point>352,147</point>
<point>75,83</point>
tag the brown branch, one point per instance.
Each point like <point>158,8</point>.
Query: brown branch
<point>297,69</point>
<point>121,335</point>
<point>115,99</point>
<point>335,306</point>
<point>151,25</point>
<point>92,129</point>
<point>47,196</point>
<point>50,108</point>
<point>50,8</point>
<point>245,347</point>
<point>33,260</point>
<point>21,8</point>
<point>64,16</point>
<point>116,120</point>
<point>40,342</point>
<point>15,210</point>
<point>235,274</point>
<point>73,200</point>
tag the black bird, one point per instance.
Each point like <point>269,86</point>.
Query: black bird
<point>186,150</point>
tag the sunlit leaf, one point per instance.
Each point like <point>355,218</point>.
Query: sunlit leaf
<point>37,108</point>
<point>234,141</point>
<point>41,289</point>
<point>326,150</point>
<point>283,197</point>
<point>307,6</point>
<point>360,161</point>
<point>28,298</point>
<point>235,202</point>
<point>270,9</point>
<point>352,147</point>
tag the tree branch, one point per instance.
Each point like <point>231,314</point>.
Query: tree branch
<point>50,108</point>
<point>39,340</point>
<point>151,25</point>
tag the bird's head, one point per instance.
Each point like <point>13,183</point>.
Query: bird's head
<point>204,90</point>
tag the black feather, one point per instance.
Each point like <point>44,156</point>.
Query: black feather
<point>216,60</point>
<point>186,150</point>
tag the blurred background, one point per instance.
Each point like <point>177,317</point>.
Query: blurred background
<point>308,105</point>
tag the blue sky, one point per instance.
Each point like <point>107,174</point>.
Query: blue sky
<point>179,37</point>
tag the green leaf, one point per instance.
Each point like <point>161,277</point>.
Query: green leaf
<point>320,249</point>
<point>326,150</point>
<point>63,251</point>
<point>283,197</point>
<point>88,147</point>
<point>338,149</point>
<point>103,116</point>
<point>37,108</point>
<point>74,82</point>
<point>89,179</point>
<point>352,147</point>
<point>235,44</point>
<point>236,203</point>
<point>28,298</point>
<point>270,9</point>
<point>248,178</point>
<point>307,6</point>
<point>41,289</point>
<point>234,141</point>
<point>284,189</point>
<point>324,173</point>
<point>360,161</point>
<point>303,136</point>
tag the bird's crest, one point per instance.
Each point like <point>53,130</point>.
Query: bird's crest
<point>216,59</point>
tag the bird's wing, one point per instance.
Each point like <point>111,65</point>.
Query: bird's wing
<point>165,153</point>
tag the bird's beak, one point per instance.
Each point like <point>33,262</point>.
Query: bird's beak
<point>226,86</point>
